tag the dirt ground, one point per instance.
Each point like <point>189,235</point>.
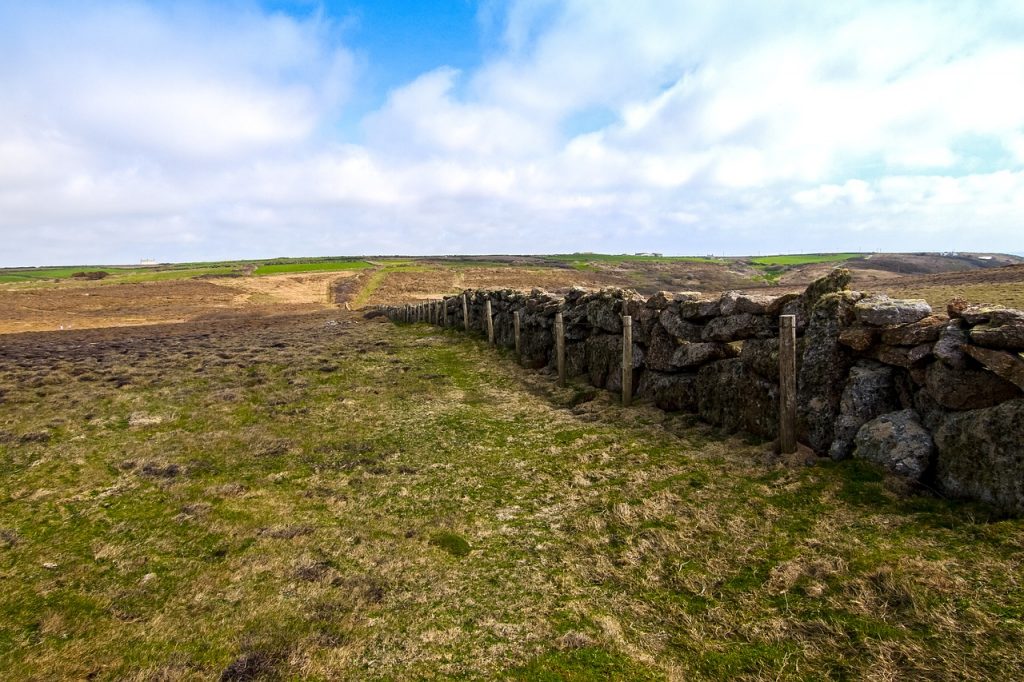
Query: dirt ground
<point>74,306</point>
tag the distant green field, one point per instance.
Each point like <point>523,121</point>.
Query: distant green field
<point>36,274</point>
<point>316,266</point>
<point>804,258</point>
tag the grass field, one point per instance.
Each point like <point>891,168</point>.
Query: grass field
<point>314,266</point>
<point>804,258</point>
<point>322,499</point>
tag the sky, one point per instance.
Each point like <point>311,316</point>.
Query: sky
<point>191,130</point>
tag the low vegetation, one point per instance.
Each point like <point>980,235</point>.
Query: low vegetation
<point>311,266</point>
<point>319,497</point>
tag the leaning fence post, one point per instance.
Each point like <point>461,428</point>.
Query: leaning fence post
<point>490,323</point>
<point>627,360</point>
<point>560,347</point>
<point>465,312</point>
<point>516,323</point>
<point>787,383</point>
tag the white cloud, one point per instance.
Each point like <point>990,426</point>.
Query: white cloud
<point>201,132</point>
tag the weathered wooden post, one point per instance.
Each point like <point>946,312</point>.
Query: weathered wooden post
<point>516,324</point>
<point>465,312</point>
<point>627,360</point>
<point>787,384</point>
<point>490,323</point>
<point>444,312</point>
<point>560,347</point>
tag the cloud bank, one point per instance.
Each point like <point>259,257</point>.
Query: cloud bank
<point>207,131</point>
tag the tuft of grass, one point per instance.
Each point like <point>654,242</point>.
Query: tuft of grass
<point>455,545</point>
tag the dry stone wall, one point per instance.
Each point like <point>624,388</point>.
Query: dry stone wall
<point>937,397</point>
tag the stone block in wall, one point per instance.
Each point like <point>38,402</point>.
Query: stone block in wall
<point>834,282</point>
<point>669,391</point>
<point>604,358</point>
<point>900,356</point>
<point>663,299</point>
<point>678,327</point>
<point>967,389</point>
<point>926,330</point>
<point>689,355</point>
<point>661,348</point>
<point>575,359</point>
<point>735,302</point>
<point>538,346</point>
<point>990,314</point>
<point>979,454</point>
<point>870,392</point>
<point>898,442</point>
<point>762,356</point>
<point>883,311</point>
<point>858,337</point>
<point>739,327</point>
<point>734,397</point>
<point>605,314</point>
<point>823,370</point>
<point>1006,364</point>
<point>1004,329</point>
<point>699,309</point>
<point>948,348</point>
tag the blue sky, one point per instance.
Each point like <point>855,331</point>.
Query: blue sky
<point>206,130</point>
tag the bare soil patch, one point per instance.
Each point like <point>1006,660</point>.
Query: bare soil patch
<point>76,306</point>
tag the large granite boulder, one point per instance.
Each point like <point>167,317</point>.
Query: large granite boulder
<point>980,454</point>
<point>967,389</point>
<point>719,384</point>
<point>883,311</point>
<point>870,392</point>
<point>898,442</point>
<point>669,391</point>
<point>823,370</point>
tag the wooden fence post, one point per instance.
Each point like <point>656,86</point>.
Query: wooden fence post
<point>490,323</point>
<point>787,384</point>
<point>560,347</point>
<point>465,312</point>
<point>627,360</point>
<point>516,324</point>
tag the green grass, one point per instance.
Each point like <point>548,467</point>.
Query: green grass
<point>301,499</point>
<point>313,266</point>
<point>805,258</point>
